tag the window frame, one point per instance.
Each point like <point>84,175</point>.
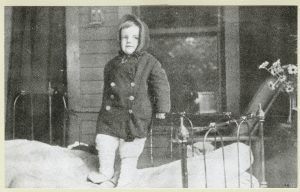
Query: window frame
<point>202,31</point>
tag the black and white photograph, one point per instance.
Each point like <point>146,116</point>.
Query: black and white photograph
<point>150,96</point>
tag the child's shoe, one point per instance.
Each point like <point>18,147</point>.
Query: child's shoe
<point>97,178</point>
<point>108,184</point>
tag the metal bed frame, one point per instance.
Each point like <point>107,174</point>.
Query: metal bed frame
<point>183,138</point>
<point>255,133</point>
<point>50,93</point>
<point>181,133</point>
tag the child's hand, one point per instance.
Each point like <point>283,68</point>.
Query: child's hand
<point>160,115</point>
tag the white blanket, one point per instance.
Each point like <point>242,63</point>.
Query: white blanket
<point>32,164</point>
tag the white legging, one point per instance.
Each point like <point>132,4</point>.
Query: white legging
<point>129,152</point>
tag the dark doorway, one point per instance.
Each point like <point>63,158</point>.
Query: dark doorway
<point>37,69</point>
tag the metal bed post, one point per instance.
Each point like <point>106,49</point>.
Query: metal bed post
<point>214,128</point>
<point>171,139</point>
<point>50,93</point>
<point>261,116</point>
<point>31,114</point>
<point>238,152</point>
<point>22,93</point>
<point>71,112</point>
<point>184,134</point>
<point>65,121</point>
<point>151,141</point>
<point>151,145</point>
<point>64,129</point>
<point>266,110</point>
<point>244,121</point>
<point>250,153</point>
<point>14,112</point>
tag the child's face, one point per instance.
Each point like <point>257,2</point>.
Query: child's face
<point>130,39</point>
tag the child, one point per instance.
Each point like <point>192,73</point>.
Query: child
<point>135,87</point>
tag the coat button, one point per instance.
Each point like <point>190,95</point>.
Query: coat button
<point>107,107</point>
<point>112,84</point>
<point>112,96</point>
<point>130,111</point>
<point>131,98</point>
<point>132,84</point>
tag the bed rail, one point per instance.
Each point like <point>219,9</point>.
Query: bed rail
<point>50,93</point>
<point>184,138</point>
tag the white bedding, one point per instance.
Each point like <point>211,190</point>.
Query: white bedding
<point>32,164</point>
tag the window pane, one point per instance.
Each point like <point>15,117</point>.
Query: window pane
<point>180,16</point>
<point>191,63</point>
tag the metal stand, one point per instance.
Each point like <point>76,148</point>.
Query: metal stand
<point>50,94</point>
<point>261,115</point>
<point>184,134</point>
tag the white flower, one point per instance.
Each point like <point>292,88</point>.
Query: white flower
<point>282,78</point>
<point>273,71</point>
<point>292,69</point>
<point>264,65</point>
<point>276,67</point>
<point>285,76</point>
<point>280,69</point>
<point>289,88</point>
<point>272,85</point>
<point>276,71</point>
<point>276,63</point>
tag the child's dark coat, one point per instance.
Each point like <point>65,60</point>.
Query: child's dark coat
<point>135,87</point>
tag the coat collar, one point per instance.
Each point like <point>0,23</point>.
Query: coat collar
<point>125,57</point>
<point>140,66</point>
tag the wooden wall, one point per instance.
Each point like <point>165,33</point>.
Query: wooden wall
<point>89,48</point>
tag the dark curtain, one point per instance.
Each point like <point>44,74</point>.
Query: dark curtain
<point>38,62</point>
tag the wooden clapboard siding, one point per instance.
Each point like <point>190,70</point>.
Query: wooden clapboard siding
<point>91,87</point>
<point>74,129</point>
<point>89,116</point>
<point>99,46</point>
<point>88,127</point>
<point>85,124</point>
<point>91,101</point>
<point>95,46</point>
<point>91,74</point>
<point>94,33</point>
<point>91,109</point>
<point>95,60</point>
<point>110,19</point>
<point>105,9</point>
<point>88,138</point>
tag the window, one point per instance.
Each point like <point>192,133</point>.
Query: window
<point>187,41</point>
